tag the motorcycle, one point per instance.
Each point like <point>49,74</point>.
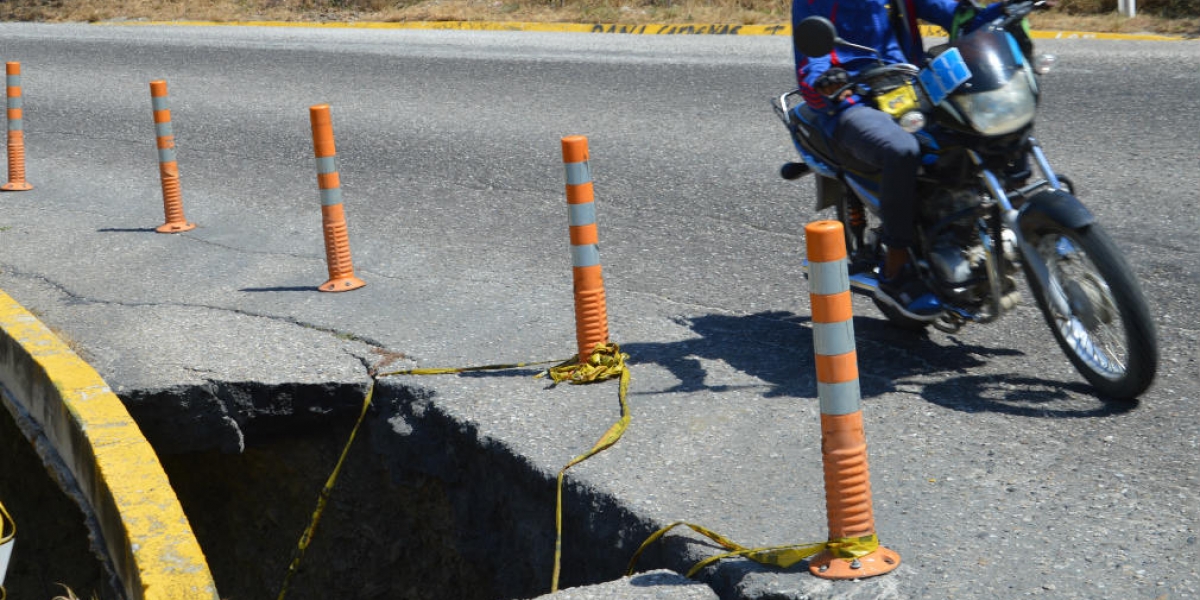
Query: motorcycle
<point>985,215</point>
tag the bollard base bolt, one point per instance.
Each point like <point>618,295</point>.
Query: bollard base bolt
<point>175,227</point>
<point>827,566</point>
<point>343,284</point>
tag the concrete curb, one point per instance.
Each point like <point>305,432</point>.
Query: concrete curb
<point>56,396</point>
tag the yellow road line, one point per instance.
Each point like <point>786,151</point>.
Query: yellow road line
<point>145,531</point>
<point>652,29</point>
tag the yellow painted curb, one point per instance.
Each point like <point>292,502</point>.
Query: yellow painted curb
<point>146,534</point>
<point>935,31</point>
<point>657,29</point>
<point>1084,35</point>
<point>653,29</point>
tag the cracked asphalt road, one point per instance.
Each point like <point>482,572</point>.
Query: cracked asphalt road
<point>995,469</point>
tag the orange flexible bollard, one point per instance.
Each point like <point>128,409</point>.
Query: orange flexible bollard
<point>854,551</point>
<point>333,216</point>
<point>16,131</point>
<point>168,169</point>
<point>591,312</point>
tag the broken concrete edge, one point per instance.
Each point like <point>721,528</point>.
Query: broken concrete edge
<point>503,505</point>
<point>86,430</point>
<point>651,585</point>
<point>226,416</point>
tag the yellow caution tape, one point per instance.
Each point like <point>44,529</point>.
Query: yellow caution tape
<point>323,498</point>
<point>607,361</point>
<point>457,370</point>
<point>8,527</point>
<point>775,556</point>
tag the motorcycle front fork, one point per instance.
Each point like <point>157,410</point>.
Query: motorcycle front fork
<point>1009,216</point>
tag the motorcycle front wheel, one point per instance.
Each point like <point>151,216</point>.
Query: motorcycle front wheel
<point>1105,329</point>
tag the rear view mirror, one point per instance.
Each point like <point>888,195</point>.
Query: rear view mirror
<point>815,36</point>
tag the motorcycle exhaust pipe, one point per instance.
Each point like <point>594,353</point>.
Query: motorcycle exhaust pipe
<point>793,170</point>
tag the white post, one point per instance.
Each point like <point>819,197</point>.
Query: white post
<point>1127,8</point>
<point>8,535</point>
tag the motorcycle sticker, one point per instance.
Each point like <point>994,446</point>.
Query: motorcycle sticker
<point>943,75</point>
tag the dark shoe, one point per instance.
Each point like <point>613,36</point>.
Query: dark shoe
<point>909,295</point>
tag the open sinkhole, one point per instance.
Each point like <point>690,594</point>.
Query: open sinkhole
<point>424,506</point>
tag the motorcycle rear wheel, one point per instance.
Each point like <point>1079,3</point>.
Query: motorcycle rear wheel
<point>1107,332</point>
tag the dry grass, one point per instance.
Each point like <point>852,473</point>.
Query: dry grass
<point>1078,15</point>
<point>584,11</point>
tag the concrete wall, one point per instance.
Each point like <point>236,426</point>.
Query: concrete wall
<point>56,396</point>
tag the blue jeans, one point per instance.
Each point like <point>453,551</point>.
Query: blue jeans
<point>874,138</point>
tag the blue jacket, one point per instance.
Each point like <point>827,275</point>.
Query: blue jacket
<point>867,23</point>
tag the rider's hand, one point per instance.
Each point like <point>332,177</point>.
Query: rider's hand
<point>832,80</point>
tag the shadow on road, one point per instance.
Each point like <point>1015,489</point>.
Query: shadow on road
<point>126,230</point>
<point>777,349</point>
<point>292,288</point>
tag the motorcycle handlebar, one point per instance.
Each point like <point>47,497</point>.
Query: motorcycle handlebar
<point>875,73</point>
<point>1015,10</point>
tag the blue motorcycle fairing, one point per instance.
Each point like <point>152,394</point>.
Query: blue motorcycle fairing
<point>1016,49</point>
<point>866,189</point>
<point>818,165</point>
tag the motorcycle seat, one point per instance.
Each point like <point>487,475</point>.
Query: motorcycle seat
<point>814,139</point>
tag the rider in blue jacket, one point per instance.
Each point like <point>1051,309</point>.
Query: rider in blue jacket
<point>869,134</point>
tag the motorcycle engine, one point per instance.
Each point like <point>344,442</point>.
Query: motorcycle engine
<point>950,218</point>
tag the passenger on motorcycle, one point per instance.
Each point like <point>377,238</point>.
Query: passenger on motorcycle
<point>869,134</point>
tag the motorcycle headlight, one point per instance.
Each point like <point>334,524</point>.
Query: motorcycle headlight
<point>1002,110</point>
<point>912,121</point>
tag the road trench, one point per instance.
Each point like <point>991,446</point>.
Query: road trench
<point>422,508</point>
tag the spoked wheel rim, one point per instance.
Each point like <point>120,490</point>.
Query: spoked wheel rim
<point>1092,326</point>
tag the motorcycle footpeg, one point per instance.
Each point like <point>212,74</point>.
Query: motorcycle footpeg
<point>794,170</point>
<point>864,283</point>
